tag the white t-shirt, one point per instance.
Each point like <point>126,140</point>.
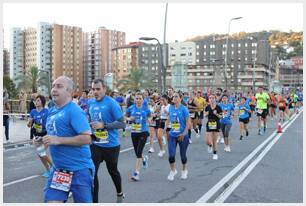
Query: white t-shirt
<point>164,111</point>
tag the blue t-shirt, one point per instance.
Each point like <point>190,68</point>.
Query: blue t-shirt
<point>84,104</point>
<point>227,110</point>
<point>185,99</point>
<point>178,119</point>
<point>39,118</point>
<point>69,121</point>
<point>141,116</point>
<point>106,111</point>
<point>146,102</point>
<point>119,99</point>
<point>243,114</point>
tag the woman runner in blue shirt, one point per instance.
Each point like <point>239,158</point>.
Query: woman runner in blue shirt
<point>244,117</point>
<point>180,122</point>
<point>138,114</point>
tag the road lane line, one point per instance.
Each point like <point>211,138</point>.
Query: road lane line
<point>34,176</point>
<point>226,178</point>
<point>21,180</point>
<point>228,191</point>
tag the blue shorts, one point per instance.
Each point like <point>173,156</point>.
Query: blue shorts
<point>81,188</point>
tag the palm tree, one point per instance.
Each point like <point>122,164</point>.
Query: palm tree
<point>32,79</point>
<point>136,80</point>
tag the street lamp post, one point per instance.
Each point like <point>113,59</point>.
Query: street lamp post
<point>161,70</point>
<point>226,49</point>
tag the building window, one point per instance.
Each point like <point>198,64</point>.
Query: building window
<point>239,45</point>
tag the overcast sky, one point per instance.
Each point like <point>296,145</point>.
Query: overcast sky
<point>185,20</point>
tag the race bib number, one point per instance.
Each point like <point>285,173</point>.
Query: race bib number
<point>192,115</point>
<point>259,111</point>
<point>38,128</point>
<point>61,180</point>
<point>241,111</point>
<point>175,126</point>
<point>212,125</point>
<point>136,127</point>
<point>102,135</point>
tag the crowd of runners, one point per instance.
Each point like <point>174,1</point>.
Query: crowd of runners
<point>82,132</point>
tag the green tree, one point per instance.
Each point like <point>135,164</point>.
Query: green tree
<point>10,86</point>
<point>137,79</point>
<point>32,79</point>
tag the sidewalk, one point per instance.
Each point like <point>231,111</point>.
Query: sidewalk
<point>19,134</point>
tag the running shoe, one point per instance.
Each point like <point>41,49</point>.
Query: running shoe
<point>171,175</point>
<point>184,174</point>
<point>247,133</point>
<point>209,149</point>
<point>227,148</point>
<point>135,176</point>
<point>241,137</point>
<point>145,162</point>
<point>151,150</point>
<point>120,198</point>
<point>215,156</point>
<point>190,141</point>
<point>46,173</point>
<point>161,153</point>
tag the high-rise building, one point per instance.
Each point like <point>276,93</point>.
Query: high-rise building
<point>44,52</point>
<point>16,53</point>
<point>98,46</point>
<point>6,62</point>
<point>67,53</point>
<point>30,48</point>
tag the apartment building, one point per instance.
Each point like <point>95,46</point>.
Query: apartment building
<point>98,47</point>
<point>30,48</point>
<point>16,53</point>
<point>6,62</point>
<point>182,52</point>
<point>67,54</point>
<point>125,58</point>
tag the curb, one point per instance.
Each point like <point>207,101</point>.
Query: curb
<point>17,145</point>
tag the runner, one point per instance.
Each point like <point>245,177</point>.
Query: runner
<point>68,138</point>
<point>37,122</point>
<point>272,105</point>
<point>201,105</point>
<point>225,121</point>
<point>153,122</point>
<point>138,114</point>
<point>192,106</point>
<point>180,123</point>
<point>282,104</point>
<point>244,117</point>
<point>164,113</point>
<point>262,99</point>
<point>214,113</point>
<point>106,118</point>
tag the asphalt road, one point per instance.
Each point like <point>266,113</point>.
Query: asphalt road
<point>276,178</point>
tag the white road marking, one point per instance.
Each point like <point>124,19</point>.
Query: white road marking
<point>20,180</point>
<point>228,191</point>
<point>225,179</point>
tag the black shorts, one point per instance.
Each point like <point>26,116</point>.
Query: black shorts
<point>245,121</point>
<point>282,108</point>
<point>273,106</point>
<point>263,114</point>
<point>252,107</point>
<point>156,124</point>
<point>217,129</point>
<point>162,123</point>
<point>200,115</point>
<point>194,116</point>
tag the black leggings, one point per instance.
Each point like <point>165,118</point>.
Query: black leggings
<point>139,141</point>
<point>110,156</point>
